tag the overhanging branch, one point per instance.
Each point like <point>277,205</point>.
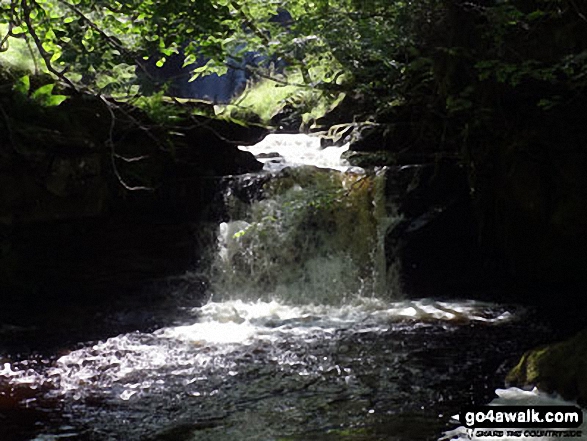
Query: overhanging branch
<point>26,8</point>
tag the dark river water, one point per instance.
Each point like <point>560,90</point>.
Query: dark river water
<point>239,370</point>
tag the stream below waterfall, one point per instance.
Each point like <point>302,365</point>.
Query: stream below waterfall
<point>304,336</point>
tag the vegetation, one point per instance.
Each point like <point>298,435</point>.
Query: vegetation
<point>301,239</point>
<point>558,367</point>
<point>393,54</point>
<point>102,47</point>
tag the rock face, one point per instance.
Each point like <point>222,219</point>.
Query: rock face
<point>517,210</point>
<point>527,161</point>
<point>96,198</point>
<point>435,244</point>
<point>531,199</point>
<point>560,368</point>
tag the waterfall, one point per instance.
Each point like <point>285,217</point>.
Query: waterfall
<point>305,335</point>
<point>311,231</point>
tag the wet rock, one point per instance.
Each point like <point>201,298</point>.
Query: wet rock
<point>557,368</point>
<point>338,124</point>
<point>370,138</point>
<point>269,155</point>
<point>532,205</point>
<point>287,120</point>
<point>184,432</point>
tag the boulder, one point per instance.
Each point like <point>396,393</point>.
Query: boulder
<point>556,368</point>
<point>370,159</point>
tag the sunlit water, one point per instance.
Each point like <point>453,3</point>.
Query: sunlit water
<point>303,337</point>
<point>266,370</point>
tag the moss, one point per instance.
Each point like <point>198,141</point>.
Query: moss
<point>559,368</point>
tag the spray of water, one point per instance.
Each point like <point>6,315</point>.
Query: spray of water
<point>313,235</point>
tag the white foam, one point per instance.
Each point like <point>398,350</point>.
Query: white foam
<point>129,363</point>
<point>297,149</point>
<point>237,321</point>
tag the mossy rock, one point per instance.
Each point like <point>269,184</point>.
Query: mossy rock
<point>370,159</point>
<point>558,368</point>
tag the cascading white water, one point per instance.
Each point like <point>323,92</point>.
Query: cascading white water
<point>304,336</point>
<point>286,150</point>
<point>314,233</point>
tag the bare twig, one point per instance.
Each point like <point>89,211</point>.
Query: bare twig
<point>33,56</point>
<point>114,155</point>
<point>10,31</point>
<point>206,125</point>
<point>260,72</point>
<point>577,10</point>
<point>4,41</point>
<point>133,159</point>
<point>132,119</point>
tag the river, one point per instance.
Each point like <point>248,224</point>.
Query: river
<point>305,334</point>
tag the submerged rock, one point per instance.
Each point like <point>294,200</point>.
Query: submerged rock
<point>557,368</point>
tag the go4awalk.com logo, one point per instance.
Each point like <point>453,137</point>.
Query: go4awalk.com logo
<point>510,422</point>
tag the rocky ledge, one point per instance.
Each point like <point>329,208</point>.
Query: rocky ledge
<point>96,197</point>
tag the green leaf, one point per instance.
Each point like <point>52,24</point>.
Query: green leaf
<point>23,85</point>
<point>239,234</point>
<point>54,100</point>
<point>44,96</point>
<point>43,92</point>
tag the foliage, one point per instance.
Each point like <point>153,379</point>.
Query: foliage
<point>538,44</point>
<point>263,98</point>
<point>18,56</point>
<point>438,54</point>
<point>43,95</point>
<point>302,235</point>
<point>159,109</point>
<point>266,98</point>
<point>100,45</point>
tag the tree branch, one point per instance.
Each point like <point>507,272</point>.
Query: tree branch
<point>577,10</point>
<point>39,44</point>
<point>112,41</point>
<point>114,155</point>
<point>9,32</point>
